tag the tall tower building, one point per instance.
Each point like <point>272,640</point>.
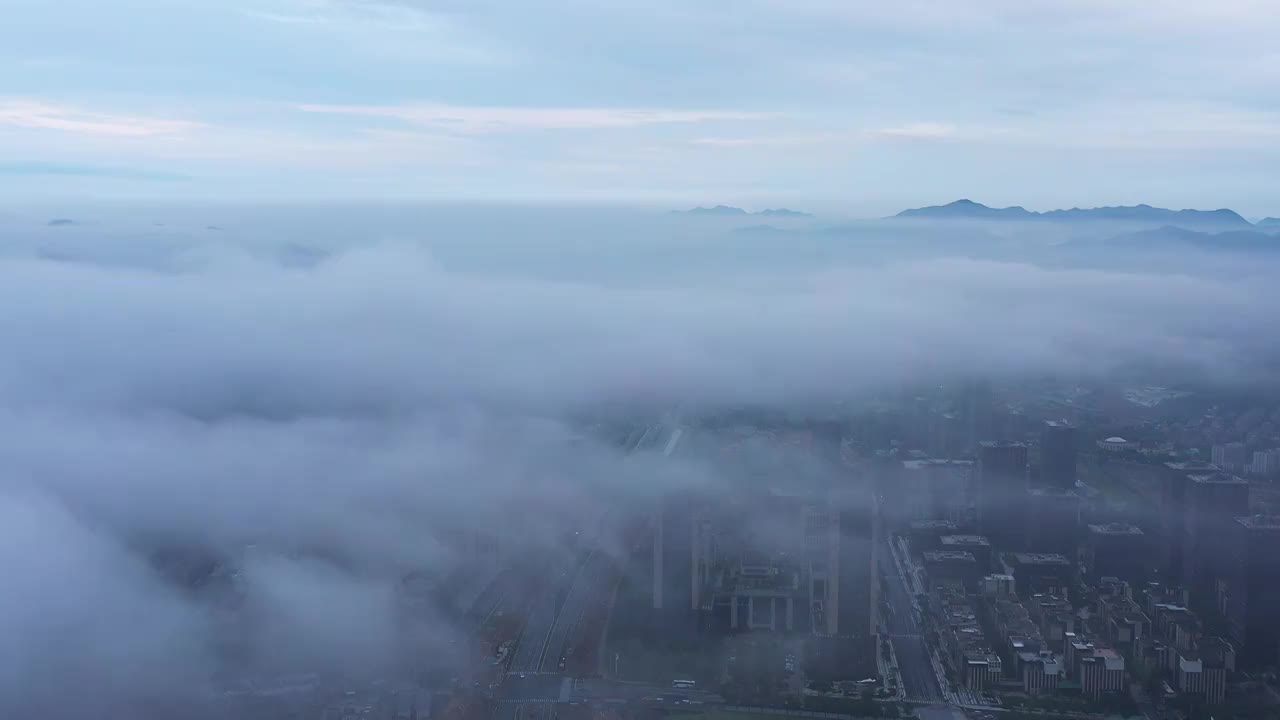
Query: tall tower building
<point>845,641</point>
<point>1172,521</point>
<point>1253,591</point>
<point>1001,480</point>
<point>1053,521</point>
<point>1213,502</point>
<point>676,564</point>
<point>856,578</point>
<point>1058,455</point>
<point>822,555</point>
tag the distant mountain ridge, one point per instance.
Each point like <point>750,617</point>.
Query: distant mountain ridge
<point>1268,222</point>
<point>1169,236</point>
<point>970,210</point>
<point>730,211</point>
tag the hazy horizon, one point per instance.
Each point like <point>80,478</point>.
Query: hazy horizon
<point>322,318</point>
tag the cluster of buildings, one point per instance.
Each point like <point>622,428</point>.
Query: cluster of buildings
<point>991,639</point>
<point>1203,536</point>
<point>793,556</point>
<point>1005,534</point>
<point>998,636</point>
<point>1235,457</point>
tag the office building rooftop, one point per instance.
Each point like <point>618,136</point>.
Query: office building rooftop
<point>1115,529</point>
<point>924,463</point>
<point>1260,522</point>
<point>933,525</point>
<point>1191,465</point>
<point>1050,492</point>
<point>1001,443</point>
<point>963,540</point>
<point>1041,559</point>
<point>1217,478</point>
<point>937,556</point>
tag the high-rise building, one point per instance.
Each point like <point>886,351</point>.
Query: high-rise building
<point>951,567</point>
<point>977,408</point>
<point>947,436</point>
<point>822,555</point>
<point>1052,521</point>
<point>1172,517</point>
<point>1058,455</point>
<point>856,577</point>
<point>1101,672</point>
<point>845,640</point>
<point>676,565</point>
<point>1253,588</point>
<point>1213,502</point>
<point>1001,481</point>
<point>1202,670</point>
<point>978,545</point>
<point>1116,550</point>
<point>1229,456</point>
<point>1036,573</point>
<point>1265,462</point>
<point>932,490</point>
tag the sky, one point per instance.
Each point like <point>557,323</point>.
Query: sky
<point>853,107</point>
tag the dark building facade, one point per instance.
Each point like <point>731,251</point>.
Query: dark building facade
<point>928,534</point>
<point>1172,519</point>
<point>846,647</point>
<point>1117,550</point>
<point>674,566</point>
<point>1253,589</point>
<point>1213,501</point>
<point>958,567</point>
<point>1058,455</point>
<point>977,545</point>
<point>858,578</point>
<point>1001,481</point>
<point>1036,573</point>
<point>1052,521</point>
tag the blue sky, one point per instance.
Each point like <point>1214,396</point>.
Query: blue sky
<point>853,106</point>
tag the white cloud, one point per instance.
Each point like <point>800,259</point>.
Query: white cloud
<point>484,119</point>
<point>919,131</point>
<point>1197,17</point>
<point>35,114</point>
<point>389,30</point>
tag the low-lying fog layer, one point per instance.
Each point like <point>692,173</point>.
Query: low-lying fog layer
<point>325,400</point>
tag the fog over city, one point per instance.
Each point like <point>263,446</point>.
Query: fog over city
<point>326,424</point>
<point>639,359</point>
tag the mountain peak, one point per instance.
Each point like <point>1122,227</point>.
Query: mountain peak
<point>964,209</point>
<point>730,211</point>
<point>1143,213</point>
<point>716,210</point>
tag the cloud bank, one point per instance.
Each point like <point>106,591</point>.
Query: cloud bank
<point>314,432</point>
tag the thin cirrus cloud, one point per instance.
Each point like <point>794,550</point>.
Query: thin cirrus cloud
<point>499,119</point>
<point>906,131</point>
<point>58,169</point>
<point>39,115</point>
